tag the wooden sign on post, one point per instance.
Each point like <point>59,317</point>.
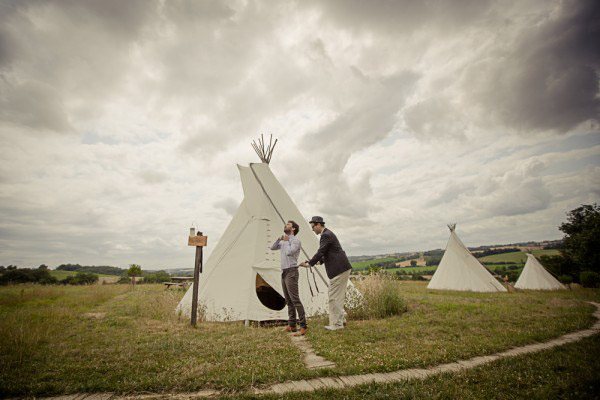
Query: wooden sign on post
<point>198,241</point>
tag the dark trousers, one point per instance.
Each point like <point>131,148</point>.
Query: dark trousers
<point>289,282</point>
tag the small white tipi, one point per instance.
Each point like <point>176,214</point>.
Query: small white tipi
<point>241,279</point>
<point>534,276</point>
<point>460,270</point>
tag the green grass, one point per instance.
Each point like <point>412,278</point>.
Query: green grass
<point>567,372</point>
<point>59,340</point>
<point>517,257</point>
<point>357,266</point>
<point>60,274</point>
<point>411,270</point>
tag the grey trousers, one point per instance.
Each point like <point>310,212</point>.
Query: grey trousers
<point>289,282</point>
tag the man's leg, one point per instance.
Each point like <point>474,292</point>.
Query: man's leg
<point>292,288</point>
<point>337,296</point>
<point>288,300</point>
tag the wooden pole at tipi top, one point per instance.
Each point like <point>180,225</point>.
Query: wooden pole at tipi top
<point>199,242</point>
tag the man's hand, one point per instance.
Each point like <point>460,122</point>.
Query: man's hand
<point>285,238</point>
<point>305,264</point>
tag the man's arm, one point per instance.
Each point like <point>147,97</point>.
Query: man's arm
<point>294,246</point>
<point>276,245</point>
<point>324,245</point>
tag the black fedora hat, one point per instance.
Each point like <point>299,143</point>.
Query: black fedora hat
<point>317,219</point>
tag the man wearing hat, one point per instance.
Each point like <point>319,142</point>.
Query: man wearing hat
<point>338,270</point>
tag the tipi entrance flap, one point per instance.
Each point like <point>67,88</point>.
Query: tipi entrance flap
<point>271,276</point>
<point>267,295</point>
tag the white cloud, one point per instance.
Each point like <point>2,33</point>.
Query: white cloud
<point>121,124</point>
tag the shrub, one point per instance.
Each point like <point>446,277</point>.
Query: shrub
<point>380,298</point>
<point>566,279</point>
<point>156,277</point>
<point>24,275</point>
<point>589,279</point>
<point>81,278</point>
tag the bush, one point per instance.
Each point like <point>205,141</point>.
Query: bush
<point>81,278</point>
<point>566,279</point>
<point>513,275</point>
<point>380,298</point>
<point>156,277</point>
<point>25,275</point>
<point>589,279</point>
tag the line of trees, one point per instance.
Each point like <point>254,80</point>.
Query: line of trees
<point>41,275</point>
<point>14,275</point>
<point>97,269</point>
<point>579,259</point>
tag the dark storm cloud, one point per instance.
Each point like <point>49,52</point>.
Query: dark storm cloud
<point>549,79</point>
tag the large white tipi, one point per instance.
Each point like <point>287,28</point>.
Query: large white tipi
<point>241,279</point>
<point>460,270</point>
<point>534,276</point>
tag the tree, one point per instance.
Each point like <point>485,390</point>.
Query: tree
<point>413,263</point>
<point>80,278</point>
<point>156,277</point>
<point>133,271</point>
<point>581,244</point>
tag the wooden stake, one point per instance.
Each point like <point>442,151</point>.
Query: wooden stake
<point>199,241</point>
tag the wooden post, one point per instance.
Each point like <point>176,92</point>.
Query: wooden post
<point>199,242</point>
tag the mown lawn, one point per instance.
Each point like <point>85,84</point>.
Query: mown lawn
<point>58,340</point>
<point>568,372</point>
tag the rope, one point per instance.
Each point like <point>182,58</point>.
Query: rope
<point>284,221</point>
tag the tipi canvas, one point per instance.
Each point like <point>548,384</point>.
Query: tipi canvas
<point>241,279</point>
<point>460,270</point>
<point>534,276</point>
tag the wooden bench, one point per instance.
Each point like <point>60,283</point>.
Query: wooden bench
<point>177,284</point>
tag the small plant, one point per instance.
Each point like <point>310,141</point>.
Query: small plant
<point>566,279</point>
<point>81,278</point>
<point>380,298</point>
<point>133,271</point>
<point>589,279</point>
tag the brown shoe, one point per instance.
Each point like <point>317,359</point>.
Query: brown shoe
<point>290,329</point>
<point>302,331</point>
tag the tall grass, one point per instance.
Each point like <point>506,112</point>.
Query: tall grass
<point>380,298</point>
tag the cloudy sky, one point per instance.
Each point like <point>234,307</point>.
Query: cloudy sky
<point>121,121</point>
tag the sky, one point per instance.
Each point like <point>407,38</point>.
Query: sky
<point>121,122</point>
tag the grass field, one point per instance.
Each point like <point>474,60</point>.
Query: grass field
<point>517,257</point>
<point>60,274</point>
<point>100,338</point>
<point>360,265</point>
<point>411,270</point>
